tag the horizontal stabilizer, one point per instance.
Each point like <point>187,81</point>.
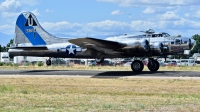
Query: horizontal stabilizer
<point>30,48</point>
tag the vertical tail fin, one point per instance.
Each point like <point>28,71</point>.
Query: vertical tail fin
<point>28,30</point>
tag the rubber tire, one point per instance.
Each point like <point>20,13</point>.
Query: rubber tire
<point>48,62</point>
<point>137,63</point>
<point>99,61</point>
<point>155,66</point>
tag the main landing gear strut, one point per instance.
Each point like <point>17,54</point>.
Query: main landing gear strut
<point>138,66</point>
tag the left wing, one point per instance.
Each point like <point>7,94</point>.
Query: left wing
<point>103,46</point>
<point>85,42</point>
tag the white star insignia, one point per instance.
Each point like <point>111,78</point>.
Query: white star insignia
<point>71,50</point>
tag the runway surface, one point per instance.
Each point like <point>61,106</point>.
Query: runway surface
<point>100,74</point>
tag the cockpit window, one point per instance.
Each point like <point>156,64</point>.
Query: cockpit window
<point>165,35</point>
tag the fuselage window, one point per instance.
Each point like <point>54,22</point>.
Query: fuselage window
<point>157,35</point>
<point>177,41</point>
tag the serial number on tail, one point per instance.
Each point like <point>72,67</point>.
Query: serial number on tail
<point>30,30</point>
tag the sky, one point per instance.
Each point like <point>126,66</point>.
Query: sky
<point>104,18</point>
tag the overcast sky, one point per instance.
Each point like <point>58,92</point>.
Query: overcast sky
<point>102,18</point>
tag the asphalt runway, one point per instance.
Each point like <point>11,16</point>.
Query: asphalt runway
<point>100,74</point>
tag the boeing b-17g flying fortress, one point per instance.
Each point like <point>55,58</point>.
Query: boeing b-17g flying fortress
<point>32,40</point>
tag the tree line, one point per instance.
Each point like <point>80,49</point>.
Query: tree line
<point>5,48</point>
<point>196,48</point>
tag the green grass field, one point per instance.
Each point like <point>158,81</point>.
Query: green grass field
<point>92,94</point>
<point>58,94</point>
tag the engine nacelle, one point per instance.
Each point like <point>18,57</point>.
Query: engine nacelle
<point>137,46</point>
<point>157,48</point>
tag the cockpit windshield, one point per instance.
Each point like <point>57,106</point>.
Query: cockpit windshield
<point>165,34</point>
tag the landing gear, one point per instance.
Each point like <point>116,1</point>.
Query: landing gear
<point>99,61</point>
<point>48,62</point>
<point>137,66</point>
<point>153,65</point>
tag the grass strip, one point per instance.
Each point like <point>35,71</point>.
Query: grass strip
<point>93,94</point>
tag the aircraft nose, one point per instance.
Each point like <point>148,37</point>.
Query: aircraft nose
<point>192,43</point>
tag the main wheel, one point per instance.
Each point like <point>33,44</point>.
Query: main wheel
<point>137,66</point>
<point>48,62</point>
<point>153,65</point>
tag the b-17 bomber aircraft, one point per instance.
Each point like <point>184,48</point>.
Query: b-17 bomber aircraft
<point>32,40</point>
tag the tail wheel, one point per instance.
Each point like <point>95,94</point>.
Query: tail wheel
<point>137,66</point>
<point>99,61</point>
<point>48,62</point>
<point>153,65</point>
